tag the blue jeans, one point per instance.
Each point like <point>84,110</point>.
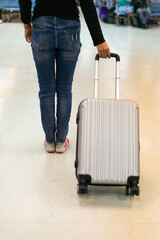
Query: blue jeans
<point>143,16</point>
<point>126,10</point>
<point>56,47</point>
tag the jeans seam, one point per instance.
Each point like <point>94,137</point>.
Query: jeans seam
<point>56,38</point>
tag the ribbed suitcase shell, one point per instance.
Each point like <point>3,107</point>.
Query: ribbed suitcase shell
<point>108,140</point>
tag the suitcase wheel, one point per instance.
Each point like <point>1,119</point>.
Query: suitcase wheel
<point>82,189</point>
<point>131,191</point>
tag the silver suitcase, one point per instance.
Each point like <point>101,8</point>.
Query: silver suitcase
<point>107,150</point>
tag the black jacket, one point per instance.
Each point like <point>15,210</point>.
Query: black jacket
<point>66,9</point>
<point>139,4</point>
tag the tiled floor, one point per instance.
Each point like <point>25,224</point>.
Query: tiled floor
<point>38,198</point>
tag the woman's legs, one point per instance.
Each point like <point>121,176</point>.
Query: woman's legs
<point>66,63</point>
<point>55,41</point>
<point>141,16</point>
<point>126,10</point>
<point>45,64</point>
<point>147,15</point>
<point>129,14</point>
<point>66,58</point>
<point>44,53</point>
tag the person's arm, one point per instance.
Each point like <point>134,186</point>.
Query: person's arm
<point>91,18</point>
<point>25,9</point>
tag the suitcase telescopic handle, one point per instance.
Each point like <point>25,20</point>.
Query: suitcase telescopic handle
<point>117,78</point>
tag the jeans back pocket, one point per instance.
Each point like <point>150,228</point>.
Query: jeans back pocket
<point>73,39</point>
<point>39,38</point>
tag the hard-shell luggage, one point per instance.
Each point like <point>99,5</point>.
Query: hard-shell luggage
<point>107,150</point>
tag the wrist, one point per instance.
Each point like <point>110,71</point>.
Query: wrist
<point>28,25</point>
<point>100,43</point>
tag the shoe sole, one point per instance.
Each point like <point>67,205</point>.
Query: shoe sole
<point>60,152</point>
<point>50,151</point>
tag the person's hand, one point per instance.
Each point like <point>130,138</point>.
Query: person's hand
<point>103,50</point>
<point>28,32</point>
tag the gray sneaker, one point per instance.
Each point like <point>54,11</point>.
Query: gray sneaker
<point>62,146</point>
<point>50,147</point>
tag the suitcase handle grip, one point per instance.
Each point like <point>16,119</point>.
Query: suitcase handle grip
<point>113,55</point>
<point>96,80</point>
